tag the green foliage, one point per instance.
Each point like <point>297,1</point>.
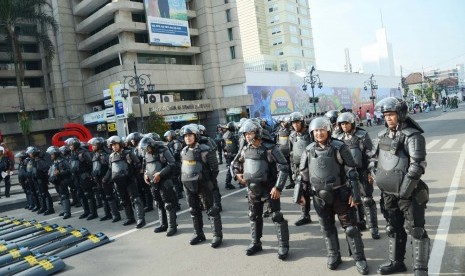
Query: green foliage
<point>156,123</point>
<point>25,123</point>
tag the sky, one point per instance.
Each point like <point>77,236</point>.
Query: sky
<point>428,34</point>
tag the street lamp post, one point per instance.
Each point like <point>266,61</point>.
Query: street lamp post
<point>312,80</point>
<point>373,86</point>
<point>138,82</point>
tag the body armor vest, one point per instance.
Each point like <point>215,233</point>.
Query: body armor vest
<point>354,146</point>
<point>153,163</point>
<point>30,168</point>
<point>77,162</point>
<point>299,143</point>
<point>230,144</point>
<point>119,165</point>
<point>191,168</point>
<point>393,163</point>
<point>52,178</point>
<point>283,141</point>
<point>99,164</point>
<point>256,165</point>
<point>22,170</point>
<point>325,171</point>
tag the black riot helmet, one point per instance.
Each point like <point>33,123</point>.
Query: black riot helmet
<point>231,126</point>
<point>347,117</point>
<point>32,151</point>
<point>251,126</point>
<point>55,151</point>
<point>21,155</point>
<point>153,136</point>
<point>332,115</point>
<point>114,140</point>
<point>190,129</point>
<point>73,142</point>
<point>202,129</point>
<point>146,142</point>
<point>97,142</point>
<point>169,133</point>
<point>65,150</point>
<point>136,136</point>
<point>392,104</point>
<point>296,116</point>
<point>320,123</point>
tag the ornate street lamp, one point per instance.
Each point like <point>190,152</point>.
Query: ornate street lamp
<point>138,82</point>
<point>373,86</point>
<point>312,80</point>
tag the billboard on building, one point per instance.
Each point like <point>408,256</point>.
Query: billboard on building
<point>167,22</point>
<point>275,101</point>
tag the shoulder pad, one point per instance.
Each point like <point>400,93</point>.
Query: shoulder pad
<point>381,133</point>
<point>409,131</point>
<point>360,133</point>
<point>268,145</point>
<point>311,145</point>
<point>337,143</point>
<point>203,147</point>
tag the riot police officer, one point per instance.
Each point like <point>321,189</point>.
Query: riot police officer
<point>198,171</point>
<point>361,147</point>
<point>219,143</point>
<point>262,167</point>
<point>400,163</point>
<point>159,164</point>
<point>282,134</point>
<point>332,116</point>
<point>329,170</point>
<point>231,147</point>
<point>37,169</point>
<point>23,181</point>
<point>124,165</point>
<point>59,175</point>
<point>175,147</point>
<point>81,168</point>
<point>300,138</point>
<point>100,167</point>
<point>133,140</point>
<point>66,154</point>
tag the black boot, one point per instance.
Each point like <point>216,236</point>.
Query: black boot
<point>332,246</point>
<point>66,208</point>
<point>256,228</point>
<point>420,256</point>
<point>305,218</point>
<point>129,216</point>
<point>43,204</point>
<point>85,207</point>
<point>396,255</point>
<point>92,208</point>
<point>98,198</point>
<point>171,217</point>
<point>149,202</point>
<point>217,229</point>
<point>35,203</point>
<point>49,203</point>
<point>354,239</point>
<point>62,213</point>
<point>114,210</point>
<point>106,210</point>
<point>139,210</point>
<point>361,222</point>
<point>282,232</point>
<point>28,200</point>
<point>372,218</point>
<point>76,200</point>
<point>197,222</point>
<point>163,220</point>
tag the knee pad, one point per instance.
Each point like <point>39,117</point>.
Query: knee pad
<point>158,204</point>
<point>169,206</point>
<point>277,216</point>
<point>368,201</point>
<point>253,216</point>
<point>352,231</point>
<point>417,232</point>
<point>390,231</point>
<point>213,211</point>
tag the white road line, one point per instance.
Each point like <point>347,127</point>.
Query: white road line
<point>450,151</point>
<point>449,144</point>
<point>440,239</point>
<point>431,144</point>
<point>157,221</point>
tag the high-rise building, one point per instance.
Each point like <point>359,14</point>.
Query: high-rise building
<point>377,58</point>
<point>276,35</point>
<point>100,41</point>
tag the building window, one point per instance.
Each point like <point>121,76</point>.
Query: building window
<point>274,19</point>
<point>230,34</point>
<point>141,38</point>
<point>307,53</point>
<point>283,66</point>
<point>232,49</point>
<point>107,45</point>
<point>279,52</point>
<point>303,2</point>
<point>276,30</point>
<point>226,1</point>
<point>304,22</point>
<point>278,40</point>
<point>293,29</point>
<point>305,32</point>
<point>292,18</point>
<point>163,59</point>
<point>110,64</point>
<point>138,17</point>
<point>273,8</point>
<point>303,11</point>
<point>228,15</point>
<point>306,43</point>
<point>295,39</point>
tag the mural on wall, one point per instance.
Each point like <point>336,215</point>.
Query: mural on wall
<point>275,101</point>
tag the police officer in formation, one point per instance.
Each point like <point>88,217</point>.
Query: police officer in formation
<point>400,162</point>
<point>231,147</point>
<point>159,163</point>
<point>81,168</point>
<point>300,138</point>
<point>361,147</point>
<point>175,146</point>
<point>329,171</point>
<point>100,167</point>
<point>124,166</point>
<point>219,143</point>
<point>282,134</point>
<point>59,175</point>
<point>198,171</point>
<point>263,168</point>
<point>37,170</point>
<point>5,167</point>
<point>28,188</point>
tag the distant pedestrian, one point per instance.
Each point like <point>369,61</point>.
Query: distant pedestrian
<point>443,103</point>
<point>368,115</point>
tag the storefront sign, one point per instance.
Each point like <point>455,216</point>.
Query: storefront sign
<point>95,117</point>
<point>182,107</point>
<point>181,117</point>
<point>234,110</point>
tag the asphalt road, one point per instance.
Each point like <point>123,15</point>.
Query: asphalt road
<point>142,252</point>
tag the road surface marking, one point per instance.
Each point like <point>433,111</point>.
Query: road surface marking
<point>449,144</point>
<point>431,144</point>
<point>440,239</point>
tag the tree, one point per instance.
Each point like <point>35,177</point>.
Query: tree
<point>18,14</point>
<point>156,123</point>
